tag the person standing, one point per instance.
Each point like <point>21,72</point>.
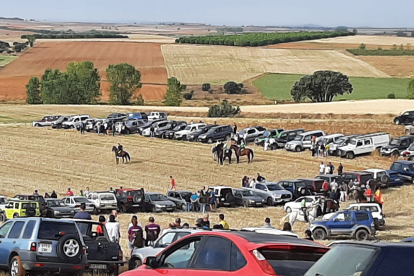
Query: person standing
<point>235,129</point>
<point>266,143</point>
<point>321,168</point>
<point>113,229</point>
<point>203,199</point>
<point>344,191</point>
<point>205,223</point>
<point>334,185</point>
<point>212,200</point>
<point>267,224</point>
<point>304,209</point>
<point>325,187</point>
<point>82,214</point>
<point>244,181</point>
<point>252,183</point>
<point>135,236</point>
<point>260,178</point>
<point>99,228</point>
<point>152,230</point>
<point>87,192</point>
<point>327,169</point>
<point>98,128</point>
<point>327,147</point>
<point>340,168</point>
<point>223,222</point>
<point>187,198</point>
<point>69,192</point>
<point>36,192</point>
<point>331,168</point>
<point>53,194</point>
<point>173,187</point>
<point>113,128</point>
<point>194,202</point>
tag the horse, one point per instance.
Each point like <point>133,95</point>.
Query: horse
<point>246,151</point>
<point>220,153</point>
<point>123,154</point>
<point>294,216</point>
<point>331,206</point>
<point>359,196</point>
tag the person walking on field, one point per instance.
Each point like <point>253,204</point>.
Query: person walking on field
<point>235,129</point>
<point>173,187</point>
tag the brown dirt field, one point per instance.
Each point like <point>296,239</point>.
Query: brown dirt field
<point>402,66</point>
<point>309,45</point>
<point>146,57</point>
<point>45,159</point>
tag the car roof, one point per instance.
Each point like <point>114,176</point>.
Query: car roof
<point>180,191</point>
<point>374,170</point>
<point>153,193</point>
<point>404,162</point>
<point>271,231</point>
<point>364,203</point>
<point>219,187</point>
<point>375,244</point>
<point>356,173</point>
<point>291,180</point>
<point>21,200</point>
<point>311,179</point>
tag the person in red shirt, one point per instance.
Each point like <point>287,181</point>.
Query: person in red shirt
<point>99,229</point>
<point>69,192</point>
<point>173,188</point>
<point>325,187</point>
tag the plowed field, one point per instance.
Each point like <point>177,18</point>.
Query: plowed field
<point>146,57</point>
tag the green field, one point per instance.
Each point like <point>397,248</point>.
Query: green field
<point>278,86</point>
<point>4,60</point>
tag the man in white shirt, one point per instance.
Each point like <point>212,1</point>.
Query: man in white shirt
<point>327,170</point>
<point>334,186</point>
<point>322,168</point>
<point>87,192</point>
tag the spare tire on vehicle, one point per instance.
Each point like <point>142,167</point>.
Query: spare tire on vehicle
<point>137,199</point>
<point>230,197</point>
<point>385,179</point>
<point>30,212</point>
<point>69,249</point>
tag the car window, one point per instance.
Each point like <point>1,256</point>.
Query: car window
<point>179,235</point>
<point>367,142</point>
<point>361,216</point>
<point>307,138</point>
<point>214,255</point>
<point>283,136</point>
<point>260,187</point>
<point>250,131</point>
<point>237,260</point>
<point>16,230</point>
<point>396,167</point>
<point>50,230</point>
<point>181,256</point>
<point>4,229</point>
<point>16,205</point>
<point>28,231</point>
<point>309,199</point>
<point>165,240</point>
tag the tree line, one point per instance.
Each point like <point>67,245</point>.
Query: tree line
<point>76,35</point>
<point>259,39</point>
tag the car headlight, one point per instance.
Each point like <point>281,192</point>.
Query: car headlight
<point>57,212</point>
<point>159,206</point>
<point>123,127</point>
<point>277,195</point>
<point>251,201</point>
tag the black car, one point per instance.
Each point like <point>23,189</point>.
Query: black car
<point>284,137</point>
<point>169,134</point>
<point>217,133</point>
<point>148,125</point>
<point>373,259</point>
<point>247,198</point>
<point>58,122</point>
<point>406,118</point>
<point>313,184</point>
<point>103,255</point>
<point>56,209</point>
<point>130,200</point>
<point>156,202</point>
<point>116,116</point>
<point>298,188</point>
<point>330,177</point>
<point>397,145</point>
<point>193,136</point>
<point>176,125</point>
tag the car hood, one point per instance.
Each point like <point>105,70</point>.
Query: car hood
<point>294,142</point>
<point>164,202</point>
<point>183,132</point>
<point>282,192</point>
<point>61,209</point>
<point>389,147</point>
<point>147,251</point>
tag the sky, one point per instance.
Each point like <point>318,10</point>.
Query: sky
<point>327,13</point>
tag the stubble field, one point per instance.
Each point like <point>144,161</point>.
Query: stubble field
<point>46,159</point>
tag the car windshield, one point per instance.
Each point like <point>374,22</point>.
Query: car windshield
<point>54,203</point>
<point>248,193</point>
<point>395,142</point>
<point>80,199</point>
<point>107,197</point>
<point>71,119</point>
<point>3,200</point>
<point>298,138</point>
<point>394,175</point>
<point>177,127</point>
<point>158,197</point>
<point>340,141</point>
<point>274,187</point>
<point>344,260</point>
<point>187,128</point>
<point>352,142</point>
<point>266,134</point>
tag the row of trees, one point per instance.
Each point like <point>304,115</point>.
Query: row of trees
<point>77,35</point>
<point>81,83</point>
<point>259,39</point>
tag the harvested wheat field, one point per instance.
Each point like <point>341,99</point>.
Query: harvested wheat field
<point>368,39</point>
<point>312,45</point>
<point>219,64</point>
<point>46,159</point>
<point>399,66</point>
<point>146,57</point>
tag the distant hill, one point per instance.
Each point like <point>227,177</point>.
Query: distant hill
<point>11,18</point>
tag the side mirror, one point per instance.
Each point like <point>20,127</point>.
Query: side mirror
<point>151,262</point>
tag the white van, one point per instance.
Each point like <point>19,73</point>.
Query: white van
<point>304,140</point>
<point>103,200</point>
<point>182,135</point>
<point>155,115</point>
<point>329,139</point>
<point>364,144</point>
<point>74,121</point>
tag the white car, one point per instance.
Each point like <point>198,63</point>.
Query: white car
<point>3,202</point>
<point>76,201</point>
<point>74,121</point>
<point>270,231</point>
<point>155,115</point>
<point>182,135</point>
<point>374,208</point>
<point>103,200</point>
<point>296,205</point>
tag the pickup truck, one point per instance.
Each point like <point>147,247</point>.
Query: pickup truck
<point>405,169</point>
<point>364,144</point>
<point>272,192</point>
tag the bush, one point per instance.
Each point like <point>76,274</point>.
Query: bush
<point>140,100</point>
<point>232,88</point>
<point>223,110</point>
<point>391,96</point>
<point>206,87</point>
<point>188,96</point>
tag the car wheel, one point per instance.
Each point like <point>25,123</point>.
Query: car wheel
<point>210,141</point>
<point>288,210</point>
<point>72,126</point>
<point>298,149</point>
<point>153,209</point>
<point>361,235</point>
<point>246,204</point>
<point>127,132</point>
<point>37,125</point>
<point>69,248</point>
<point>270,201</point>
<point>16,267</point>
<point>134,263</point>
<point>123,208</point>
<point>350,155</point>
<point>319,234</point>
<point>16,215</point>
<point>397,121</point>
<point>2,217</point>
<point>183,206</point>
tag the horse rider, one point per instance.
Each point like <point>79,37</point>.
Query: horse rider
<point>303,208</point>
<point>120,148</point>
<point>242,146</point>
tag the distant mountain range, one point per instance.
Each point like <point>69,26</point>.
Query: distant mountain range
<point>11,18</point>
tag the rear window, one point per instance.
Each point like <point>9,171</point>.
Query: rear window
<point>29,229</point>
<point>292,262</point>
<point>345,260</point>
<point>365,178</point>
<point>16,230</point>
<point>107,197</point>
<point>361,216</point>
<point>54,230</point>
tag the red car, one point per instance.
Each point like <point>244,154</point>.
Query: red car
<point>227,253</point>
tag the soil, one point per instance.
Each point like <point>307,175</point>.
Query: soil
<point>402,66</point>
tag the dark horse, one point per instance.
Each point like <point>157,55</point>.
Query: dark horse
<point>221,153</point>
<point>245,151</point>
<point>123,154</point>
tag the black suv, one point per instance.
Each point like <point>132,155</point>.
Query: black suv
<point>397,145</point>
<point>169,134</point>
<point>176,126</point>
<point>284,137</point>
<point>193,136</point>
<point>405,119</point>
<point>130,200</point>
<point>103,255</point>
<point>217,133</point>
<point>38,198</point>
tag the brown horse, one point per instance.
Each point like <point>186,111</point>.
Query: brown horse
<point>243,152</point>
<point>331,206</point>
<point>123,154</point>
<point>221,153</point>
<point>359,196</point>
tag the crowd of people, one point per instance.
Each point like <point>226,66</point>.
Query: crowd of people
<point>247,183</point>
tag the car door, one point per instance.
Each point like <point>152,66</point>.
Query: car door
<point>261,190</point>
<point>251,134</point>
<point>148,204</point>
<point>238,198</point>
<point>341,224</point>
<point>5,244</point>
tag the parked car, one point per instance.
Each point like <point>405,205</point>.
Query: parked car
<point>38,198</point>
<point>178,197</point>
<point>128,126</point>
<point>284,137</point>
<point>247,198</point>
<point>116,116</point>
<point>162,125</point>
<point>373,259</point>
<point>330,177</point>
<point>272,192</point>
<point>76,201</point>
<point>148,125</point>
<point>269,134</point>
<point>303,141</point>
<point>224,195</point>
<point>104,256</point>
<point>329,139</point>
<point>396,146</point>
<point>74,121</point>
<point>217,133</point>
<point>359,225</point>
<point>156,116</point>
<point>386,178</point>
<point>56,209</point>
<point>179,125</point>
<point>140,116</point>
<point>405,118</point>
<point>193,137</point>
<point>233,253</point>
<point>41,245</point>
<point>46,121</point>
<point>313,184</point>
<point>408,153</point>
<point>156,202</point>
<point>297,204</point>
<point>58,123</point>
<point>90,124</point>
<point>340,142</point>
<point>20,208</point>
<point>168,237</point>
<point>130,200</point>
<point>252,133</point>
<point>169,134</point>
<point>364,144</point>
<point>297,187</point>
<point>3,202</point>
<point>189,129</point>
<point>405,169</point>
<point>372,207</point>
<point>103,201</point>
<point>360,177</point>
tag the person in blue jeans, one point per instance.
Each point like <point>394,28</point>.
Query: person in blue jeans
<point>187,199</point>
<point>202,199</point>
<point>212,200</point>
<point>194,202</point>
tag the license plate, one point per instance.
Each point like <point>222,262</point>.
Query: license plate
<point>97,266</point>
<point>258,203</point>
<point>45,247</point>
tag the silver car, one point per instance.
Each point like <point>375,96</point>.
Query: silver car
<point>76,201</point>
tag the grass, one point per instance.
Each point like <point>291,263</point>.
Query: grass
<point>278,86</point>
<point>4,60</point>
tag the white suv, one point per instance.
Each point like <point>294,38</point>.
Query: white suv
<point>3,202</point>
<point>103,200</point>
<point>156,116</point>
<point>182,135</point>
<point>74,121</point>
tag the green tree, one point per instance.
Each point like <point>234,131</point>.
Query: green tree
<point>232,88</point>
<point>321,86</point>
<point>125,80</point>
<point>31,39</point>
<point>140,100</point>
<point>50,91</point>
<point>410,89</point>
<point>33,91</point>
<point>206,86</point>
<point>84,82</point>
<point>223,110</point>
<point>173,96</point>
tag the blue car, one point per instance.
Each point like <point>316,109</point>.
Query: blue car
<point>138,116</point>
<point>395,178</point>
<point>405,169</point>
<point>359,225</point>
